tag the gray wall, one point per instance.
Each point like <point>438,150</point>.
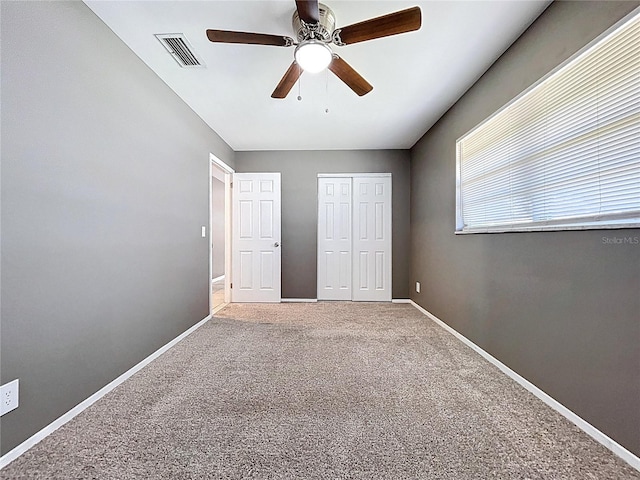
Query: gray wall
<point>300,215</point>
<point>560,308</point>
<point>105,184</point>
<point>217,226</point>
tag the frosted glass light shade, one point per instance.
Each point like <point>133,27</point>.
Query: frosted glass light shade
<point>313,56</point>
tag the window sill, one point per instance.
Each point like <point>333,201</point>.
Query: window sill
<point>547,228</point>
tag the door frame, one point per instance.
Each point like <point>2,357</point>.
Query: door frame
<point>215,164</point>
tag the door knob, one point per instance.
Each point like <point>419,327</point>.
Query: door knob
<point>276,244</point>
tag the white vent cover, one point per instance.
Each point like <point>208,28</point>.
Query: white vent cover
<point>180,49</point>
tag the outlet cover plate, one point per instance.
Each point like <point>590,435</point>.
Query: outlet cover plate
<point>9,396</point>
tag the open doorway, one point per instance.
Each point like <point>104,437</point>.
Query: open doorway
<point>219,233</point>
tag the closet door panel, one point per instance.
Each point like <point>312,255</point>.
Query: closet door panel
<point>334,238</point>
<point>372,239</point>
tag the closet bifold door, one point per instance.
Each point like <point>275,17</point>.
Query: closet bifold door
<point>334,238</point>
<point>354,237</point>
<point>371,252</point>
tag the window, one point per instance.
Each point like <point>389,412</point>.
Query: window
<point>563,155</point>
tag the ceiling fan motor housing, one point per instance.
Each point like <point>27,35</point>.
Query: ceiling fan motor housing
<point>320,31</point>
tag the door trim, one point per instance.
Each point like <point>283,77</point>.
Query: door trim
<point>343,175</point>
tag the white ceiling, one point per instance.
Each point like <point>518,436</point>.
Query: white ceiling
<point>416,76</point>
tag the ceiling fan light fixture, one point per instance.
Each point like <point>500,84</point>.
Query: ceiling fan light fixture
<point>313,56</point>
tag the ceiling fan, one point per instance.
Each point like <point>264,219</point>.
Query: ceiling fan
<point>314,24</point>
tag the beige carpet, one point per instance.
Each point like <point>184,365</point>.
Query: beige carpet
<point>333,390</point>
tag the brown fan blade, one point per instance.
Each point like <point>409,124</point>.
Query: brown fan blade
<point>348,75</point>
<point>226,36</point>
<point>288,81</point>
<point>308,11</point>
<point>392,24</point>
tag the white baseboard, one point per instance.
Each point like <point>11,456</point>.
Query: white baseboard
<point>11,455</point>
<point>582,424</point>
<point>314,300</point>
<point>217,279</point>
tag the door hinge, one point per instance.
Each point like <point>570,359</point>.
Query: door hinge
<point>231,285</point>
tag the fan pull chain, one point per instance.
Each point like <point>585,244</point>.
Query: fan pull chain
<point>326,89</point>
<point>299,96</point>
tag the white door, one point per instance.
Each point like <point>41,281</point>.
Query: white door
<point>334,238</point>
<point>256,259</point>
<point>354,237</point>
<point>372,239</point>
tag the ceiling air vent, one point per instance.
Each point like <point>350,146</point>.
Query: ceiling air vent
<point>180,49</point>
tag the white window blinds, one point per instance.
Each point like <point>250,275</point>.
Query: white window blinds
<point>565,154</point>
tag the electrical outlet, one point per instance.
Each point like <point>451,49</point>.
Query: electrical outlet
<point>417,287</point>
<point>9,397</point>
